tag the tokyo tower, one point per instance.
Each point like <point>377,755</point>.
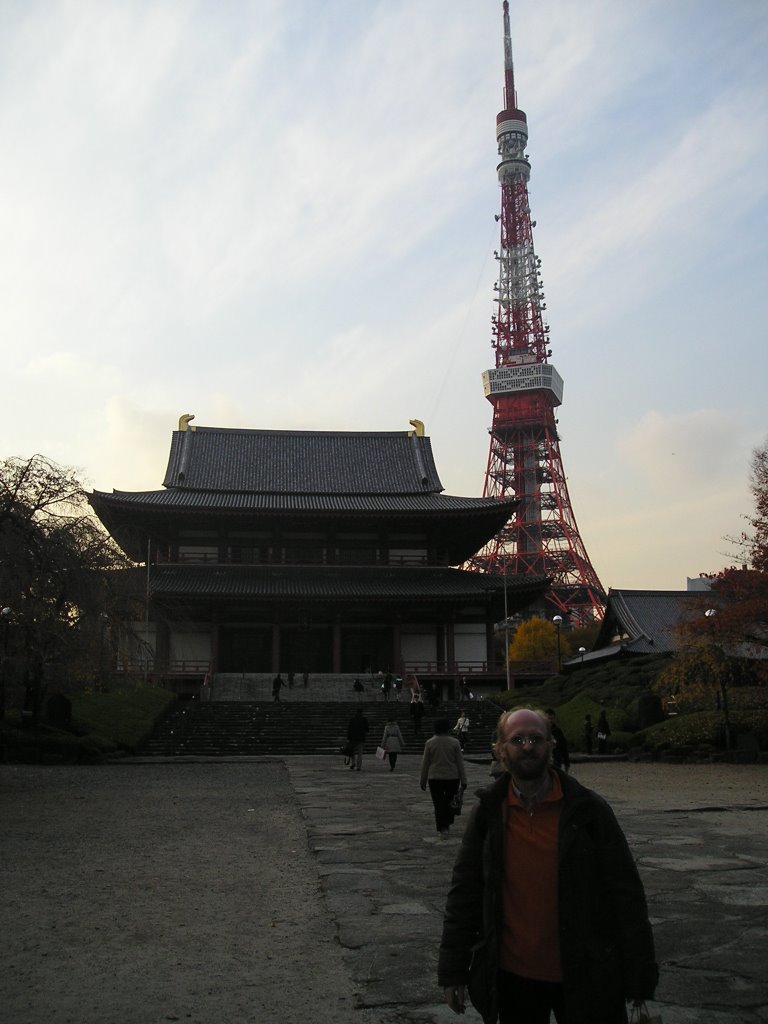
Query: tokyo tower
<point>524,388</point>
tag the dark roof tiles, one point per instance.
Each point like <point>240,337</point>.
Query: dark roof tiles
<point>328,583</point>
<point>647,619</point>
<point>181,500</point>
<point>301,462</point>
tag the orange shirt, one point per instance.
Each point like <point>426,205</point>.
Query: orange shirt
<point>530,942</point>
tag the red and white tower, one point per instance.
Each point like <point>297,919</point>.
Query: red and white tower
<point>524,388</point>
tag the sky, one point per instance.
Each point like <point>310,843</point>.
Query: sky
<point>282,216</point>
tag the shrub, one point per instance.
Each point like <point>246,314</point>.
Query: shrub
<point>125,717</point>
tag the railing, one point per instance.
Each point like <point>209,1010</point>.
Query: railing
<point>177,667</point>
<point>450,668</point>
<point>304,558</point>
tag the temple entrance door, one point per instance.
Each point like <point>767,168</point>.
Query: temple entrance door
<point>306,649</point>
<point>245,649</point>
<point>366,650</point>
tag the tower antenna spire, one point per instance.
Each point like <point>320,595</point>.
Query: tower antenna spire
<point>541,538</point>
<point>510,98</point>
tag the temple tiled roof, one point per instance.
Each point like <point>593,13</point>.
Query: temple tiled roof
<point>182,500</point>
<point>640,622</point>
<point>302,462</point>
<point>347,479</point>
<point>324,583</point>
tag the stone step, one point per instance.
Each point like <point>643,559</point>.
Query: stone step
<point>320,688</point>
<point>252,728</point>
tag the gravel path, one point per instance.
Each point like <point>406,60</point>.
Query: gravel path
<point>136,894</point>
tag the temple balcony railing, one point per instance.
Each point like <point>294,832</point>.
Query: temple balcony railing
<point>174,667</point>
<point>384,559</point>
<point>428,668</point>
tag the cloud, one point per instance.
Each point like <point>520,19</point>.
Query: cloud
<point>685,452</point>
<point>278,215</point>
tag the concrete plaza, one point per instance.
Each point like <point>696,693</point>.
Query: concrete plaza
<point>293,889</point>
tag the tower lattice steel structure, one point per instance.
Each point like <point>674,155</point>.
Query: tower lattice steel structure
<point>524,460</point>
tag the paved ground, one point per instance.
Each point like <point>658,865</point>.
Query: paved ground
<point>299,891</point>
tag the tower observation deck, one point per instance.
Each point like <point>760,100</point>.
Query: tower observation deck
<point>524,388</point>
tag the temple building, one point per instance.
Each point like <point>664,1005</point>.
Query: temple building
<point>305,551</point>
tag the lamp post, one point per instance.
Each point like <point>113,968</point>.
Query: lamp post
<point>5,616</point>
<point>710,614</point>
<point>558,621</point>
<point>582,652</point>
<point>506,627</point>
<point>103,620</point>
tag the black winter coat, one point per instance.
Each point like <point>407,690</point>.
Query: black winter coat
<point>606,945</point>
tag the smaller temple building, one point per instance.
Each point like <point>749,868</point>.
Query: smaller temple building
<point>303,551</point>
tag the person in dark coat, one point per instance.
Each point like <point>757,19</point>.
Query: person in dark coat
<point>546,910</point>
<point>417,713</point>
<point>357,730</point>
<point>588,730</point>
<point>560,755</point>
<point>277,685</point>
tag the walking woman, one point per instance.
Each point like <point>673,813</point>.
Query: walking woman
<point>392,741</point>
<point>442,767</point>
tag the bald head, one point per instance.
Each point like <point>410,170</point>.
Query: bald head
<point>524,744</point>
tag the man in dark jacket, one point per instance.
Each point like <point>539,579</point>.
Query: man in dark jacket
<point>357,730</point>
<point>546,910</point>
<point>560,755</point>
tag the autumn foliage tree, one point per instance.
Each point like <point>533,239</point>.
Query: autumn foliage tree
<point>726,632</point>
<point>535,640</point>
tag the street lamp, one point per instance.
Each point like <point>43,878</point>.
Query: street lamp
<point>582,652</point>
<point>5,616</point>
<point>710,614</point>
<point>558,621</point>
<point>506,627</point>
<point>103,620</point>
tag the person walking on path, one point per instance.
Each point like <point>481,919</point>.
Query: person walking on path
<point>412,684</point>
<point>561,755</point>
<point>277,685</point>
<point>386,686</point>
<point>546,910</point>
<point>417,713</point>
<point>357,730</point>
<point>462,728</point>
<point>442,768</point>
<point>588,733</point>
<point>392,741</point>
<point>358,687</point>
<point>603,732</point>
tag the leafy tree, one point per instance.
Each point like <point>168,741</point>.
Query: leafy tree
<point>55,580</point>
<point>535,640</point>
<point>728,626</point>
<point>758,541</point>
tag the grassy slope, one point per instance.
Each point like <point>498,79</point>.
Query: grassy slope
<point>102,723</point>
<point>618,687</point>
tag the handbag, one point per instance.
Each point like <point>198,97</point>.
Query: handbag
<point>640,1015</point>
<point>456,802</point>
<point>381,753</point>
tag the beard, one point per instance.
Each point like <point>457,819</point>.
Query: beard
<point>529,767</point>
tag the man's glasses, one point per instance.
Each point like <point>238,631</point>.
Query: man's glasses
<point>534,740</point>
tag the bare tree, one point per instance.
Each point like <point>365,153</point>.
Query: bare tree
<point>56,576</point>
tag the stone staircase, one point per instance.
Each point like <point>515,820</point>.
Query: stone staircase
<point>257,686</point>
<point>241,728</point>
